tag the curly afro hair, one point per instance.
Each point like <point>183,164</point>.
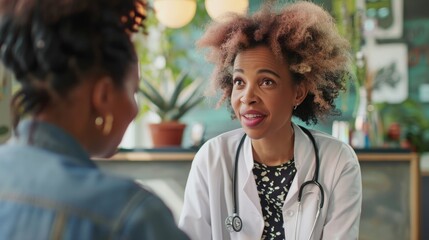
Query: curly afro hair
<point>303,34</point>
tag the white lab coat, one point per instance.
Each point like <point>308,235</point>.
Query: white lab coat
<point>209,201</point>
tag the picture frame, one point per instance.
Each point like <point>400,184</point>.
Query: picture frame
<point>388,65</point>
<point>389,16</point>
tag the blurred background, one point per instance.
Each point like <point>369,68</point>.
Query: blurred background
<point>384,111</point>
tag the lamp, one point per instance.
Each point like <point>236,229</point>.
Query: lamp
<point>217,8</point>
<point>175,13</point>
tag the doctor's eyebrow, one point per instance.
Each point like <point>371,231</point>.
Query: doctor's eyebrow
<point>259,71</point>
<point>268,71</point>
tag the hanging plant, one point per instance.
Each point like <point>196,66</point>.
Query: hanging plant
<point>349,22</point>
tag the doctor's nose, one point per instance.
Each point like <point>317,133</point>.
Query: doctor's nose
<point>249,98</point>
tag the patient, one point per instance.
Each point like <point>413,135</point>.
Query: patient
<point>78,74</point>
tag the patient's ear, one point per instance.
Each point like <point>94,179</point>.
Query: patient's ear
<point>103,95</point>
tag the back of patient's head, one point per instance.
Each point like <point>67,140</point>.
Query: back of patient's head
<point>52,45</point>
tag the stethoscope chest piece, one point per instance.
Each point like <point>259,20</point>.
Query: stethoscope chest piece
<point>233,223</point>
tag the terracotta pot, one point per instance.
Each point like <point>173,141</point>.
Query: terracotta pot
<point>167,134</point>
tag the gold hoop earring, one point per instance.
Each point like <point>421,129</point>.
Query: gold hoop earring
<point>108,124</point>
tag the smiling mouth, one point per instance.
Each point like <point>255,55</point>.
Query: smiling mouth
<point>252,120</point>
<point>253,116</point>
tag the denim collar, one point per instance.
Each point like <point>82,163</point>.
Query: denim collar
<point>52,138</point>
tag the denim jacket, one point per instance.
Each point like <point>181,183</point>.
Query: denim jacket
<point>50,189</point>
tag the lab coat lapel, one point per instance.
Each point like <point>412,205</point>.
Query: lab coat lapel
<point>251,210</point>
<point>304,163</point>
<point>247,180</point>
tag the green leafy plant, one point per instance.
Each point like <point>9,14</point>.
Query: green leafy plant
<point>172,98</point>
<point>412,120</point>
<point>163,54</point>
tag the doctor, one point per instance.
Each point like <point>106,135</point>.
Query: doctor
<point>272,179</point>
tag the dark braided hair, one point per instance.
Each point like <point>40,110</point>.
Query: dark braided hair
<point>50,44</point>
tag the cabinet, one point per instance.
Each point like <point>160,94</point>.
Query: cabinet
<point>391,195</point>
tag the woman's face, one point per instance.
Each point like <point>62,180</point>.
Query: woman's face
<point>263,93</point>
<point>124,109</point>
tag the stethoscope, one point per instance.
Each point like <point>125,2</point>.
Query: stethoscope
<point>234,223</point>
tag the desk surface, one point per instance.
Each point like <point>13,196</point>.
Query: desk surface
<point>177,154</point>
<point>166,154</point>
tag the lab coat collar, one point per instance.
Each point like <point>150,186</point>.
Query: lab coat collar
<point>303,150</point>
<point>248,155</point>
<point>249,184</point>
<point>304,157</point>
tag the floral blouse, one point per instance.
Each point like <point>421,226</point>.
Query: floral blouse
<point>273,183</point>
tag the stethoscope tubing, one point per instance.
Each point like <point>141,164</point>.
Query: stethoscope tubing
<point>314,180</point>
<point>237,156</point>
<point>316,170</point>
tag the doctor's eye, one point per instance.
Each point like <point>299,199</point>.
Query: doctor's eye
<point>237,81</point>
<point>267,82</point>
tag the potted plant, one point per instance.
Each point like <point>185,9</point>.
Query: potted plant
<point>170,100</point>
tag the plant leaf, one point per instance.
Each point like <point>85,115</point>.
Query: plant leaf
<point>189,104</point>
<point>192,104</point>
<point>172,115</point>
<point>152,94</point>
<point>180,85</point>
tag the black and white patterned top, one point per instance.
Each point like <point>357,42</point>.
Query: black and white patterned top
<point>273,183</point>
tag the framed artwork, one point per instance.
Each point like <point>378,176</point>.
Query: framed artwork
<point>390,204</point>
<point>388,15</point>
<point>388,67</point>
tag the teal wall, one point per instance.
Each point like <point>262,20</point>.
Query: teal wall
<point>415,36</point>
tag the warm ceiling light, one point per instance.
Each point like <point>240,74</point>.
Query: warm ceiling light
<point>175,13</point>
<point>217,8</point>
